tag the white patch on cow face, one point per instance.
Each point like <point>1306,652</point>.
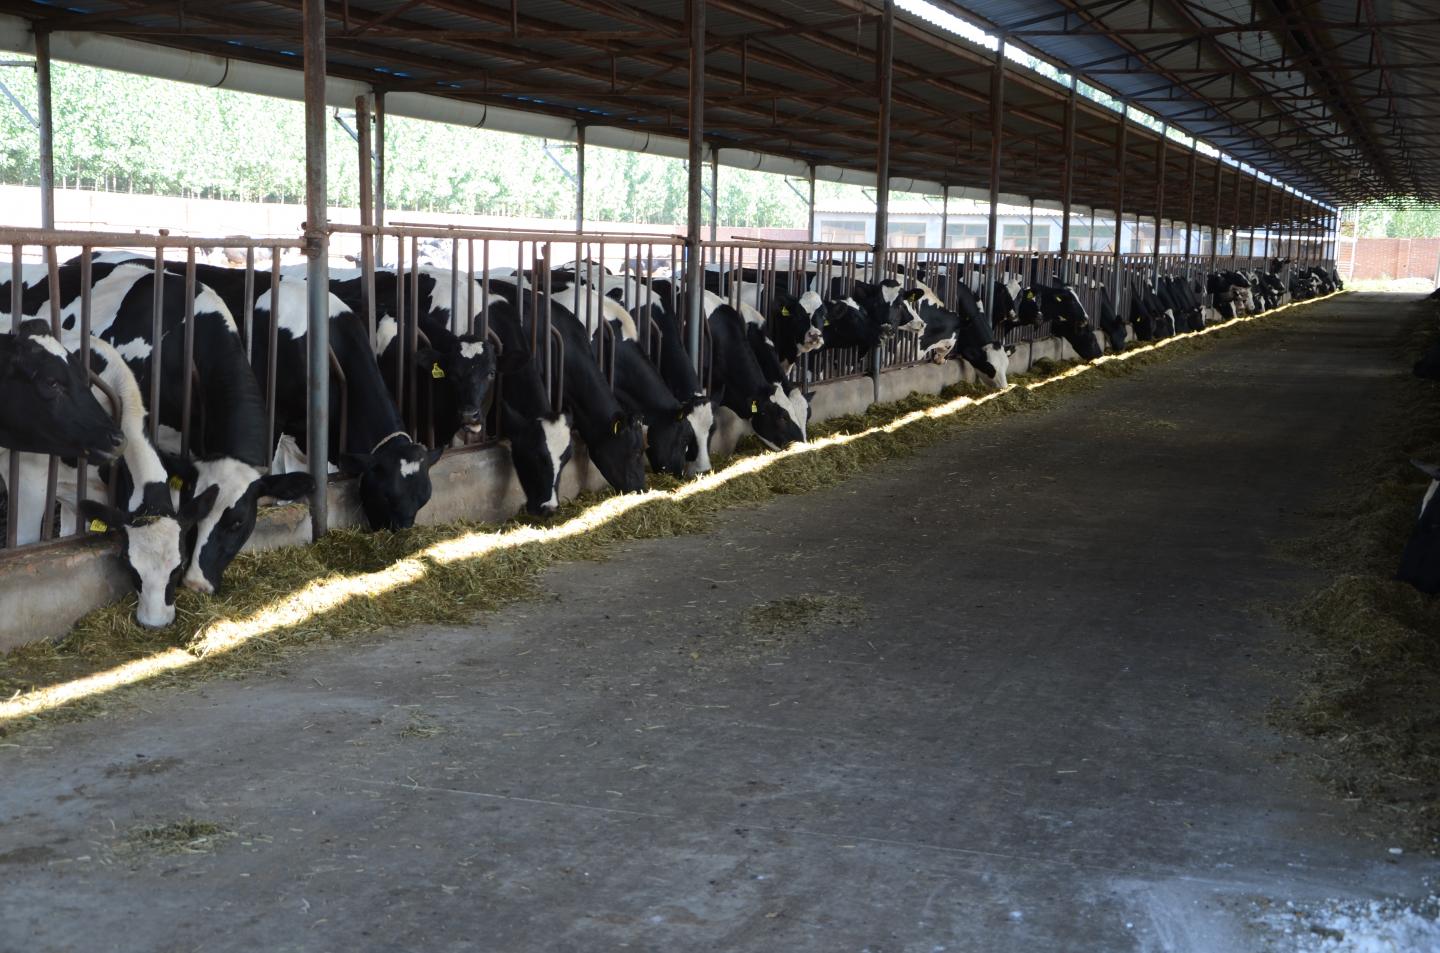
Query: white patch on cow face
<point>234,479</point>
<point>557,441</point>
<point>916,324</point>
<point>409,468</point>
<point>850,303</point>
<point>51,346</point>
<point>1080,304</point>
<point>471,349</point>
<point>154,553</point>
<point>1429,494</point>
<point>1000,360</point>
<point>702,421</point>
<point>814,340</point>
<point>751,316</point>
<point>889,292</point>
<point>385,330</point>
<point>1012,285</point>
<point>135,350</point>
<point>810,302</point>
<point>798,414</point>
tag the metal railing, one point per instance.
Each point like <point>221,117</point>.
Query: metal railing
<point>72,321</point>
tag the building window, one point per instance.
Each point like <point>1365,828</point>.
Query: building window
<point>966,235</point>
<point>1017,238</point>
<point>907,235</point>
<point>840,230</point>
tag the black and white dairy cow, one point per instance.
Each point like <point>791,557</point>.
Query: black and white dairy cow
<point>393,470</point>
<point>1111,324</point>
<point>1068,318</point>
<point>453,369</point>
<point>964,334</point>
<point>795,326</point>
<point>152,530</point>
<point>227,415</point>
<point>45,401</point>
<point>739,384</point>
<point>783,391</point>
<point>678,371</point>
<point>614,437</point>
<point>638,385</point>
<point>1420,561</point>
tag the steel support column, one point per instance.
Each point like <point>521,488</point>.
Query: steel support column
<point>379,171</point>
<point>886,77</point>
<point>944,214</point>
<point>1121,154</point>
<point>714,195</point>
<point>1254,209</point>
<point>1159,201</point>
<point>1215,227</point>
<point>317,272</point>
<point>694,265</point>
<point>810,204</point>
<point>1067,180</point>
<point>997,125</point>
<point>1190,197</point>
<point>1235,227</point>
<point>365,153</point>
<point>47,129</point>
<point>579,178</point>
<point>1269,218</point>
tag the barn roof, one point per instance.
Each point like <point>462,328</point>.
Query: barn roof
<point>793,79</point>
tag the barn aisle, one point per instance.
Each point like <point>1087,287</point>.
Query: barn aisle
<point>1023,712</point>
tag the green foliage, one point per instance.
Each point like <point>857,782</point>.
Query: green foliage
<point>1383,221</point>
<point>134,133</point>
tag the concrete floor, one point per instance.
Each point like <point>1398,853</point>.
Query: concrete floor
<point>1046,734</point>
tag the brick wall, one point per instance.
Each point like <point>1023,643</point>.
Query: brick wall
<point>1371,258</point>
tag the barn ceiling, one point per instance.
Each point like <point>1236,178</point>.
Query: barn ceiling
<point>794,78</point>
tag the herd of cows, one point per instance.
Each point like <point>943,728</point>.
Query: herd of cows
<point>622,380</point>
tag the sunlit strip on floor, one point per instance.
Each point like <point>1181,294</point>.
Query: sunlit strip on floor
<point>321,596</point>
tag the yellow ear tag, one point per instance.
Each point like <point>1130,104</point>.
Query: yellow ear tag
<point>435,371</point>
<point>177,484</point>
<point>96,526</point>
<point>615,427</point>
<point>1029,296</point>
<point>784,312</point>
<point>754,407</point>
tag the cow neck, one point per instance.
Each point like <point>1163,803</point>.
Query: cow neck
<point>372,413</point>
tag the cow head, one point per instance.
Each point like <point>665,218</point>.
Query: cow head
<point>218,535</point>
<point>46,405</point>
<point>1062,307</point>
<point>539,450</point>
<point>702,424</point>
<point>152,538</point>
<point>394,480</point>
<point>929,318</point>
<point>619,453</point>
<point>776,419</point>
<point>799,319</point>
<point>467,369</point>
<point>670,440</point>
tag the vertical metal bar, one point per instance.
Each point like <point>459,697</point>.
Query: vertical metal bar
<point>82,466</point>
<point>997,125</point>
<point>379,173</point>
<point>367,209</point>
<point>944,217</point>
<point>1190,197</point>
<point>247,315</point>
<point>317,272</point>
<point>810,204</point>
<point>579,178</point>
<point>157,335</point>
<point>886,66</point>
<point>1269,218</point>
<point>272,342</point>
<point>47,131</point>
<point>1121,135</point>
<point>694,267</point>
<point>1159,199</point>
<point>1235,228</point>
<point>1067,178</point>
<point>1215,228</point>
<point>714,195</point>
<point>187,384</point>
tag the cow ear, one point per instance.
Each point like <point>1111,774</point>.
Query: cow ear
<point>354,464</point>
<point>435,454</point>
<point>183,472</point>
<point>1429,469</point>
<point>1010,349</point>
<point>427,360</point>
<point>286,486</point>
<point>101,517</point>
<point>195,510</point>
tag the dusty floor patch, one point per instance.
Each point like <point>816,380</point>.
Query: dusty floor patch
<point>794,616</point>
<point>188,836</point>
<point>1334,926</point>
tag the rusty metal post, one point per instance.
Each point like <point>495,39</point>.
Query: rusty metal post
<point>367,207</point>
<point>1215,226</point>
<point>1235,228</point>
<point>317,271</point>
<point>694,264</point>
<point>944,215</point>
<point>997,125</point>
<point>1190,197</point>
<point>886,68</point>
<point>379,172</point>
<point>810,220</point>
<point>47,129</point>
<point>1159,201</point>
<point>579,178</point>
<point>1067,180</point>
<point>1120,156</point>
<point>1254,211</point>
<point>1269,218</point>
<point>714,195</point>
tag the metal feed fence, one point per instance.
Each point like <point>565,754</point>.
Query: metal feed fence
<point>71,320</point>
